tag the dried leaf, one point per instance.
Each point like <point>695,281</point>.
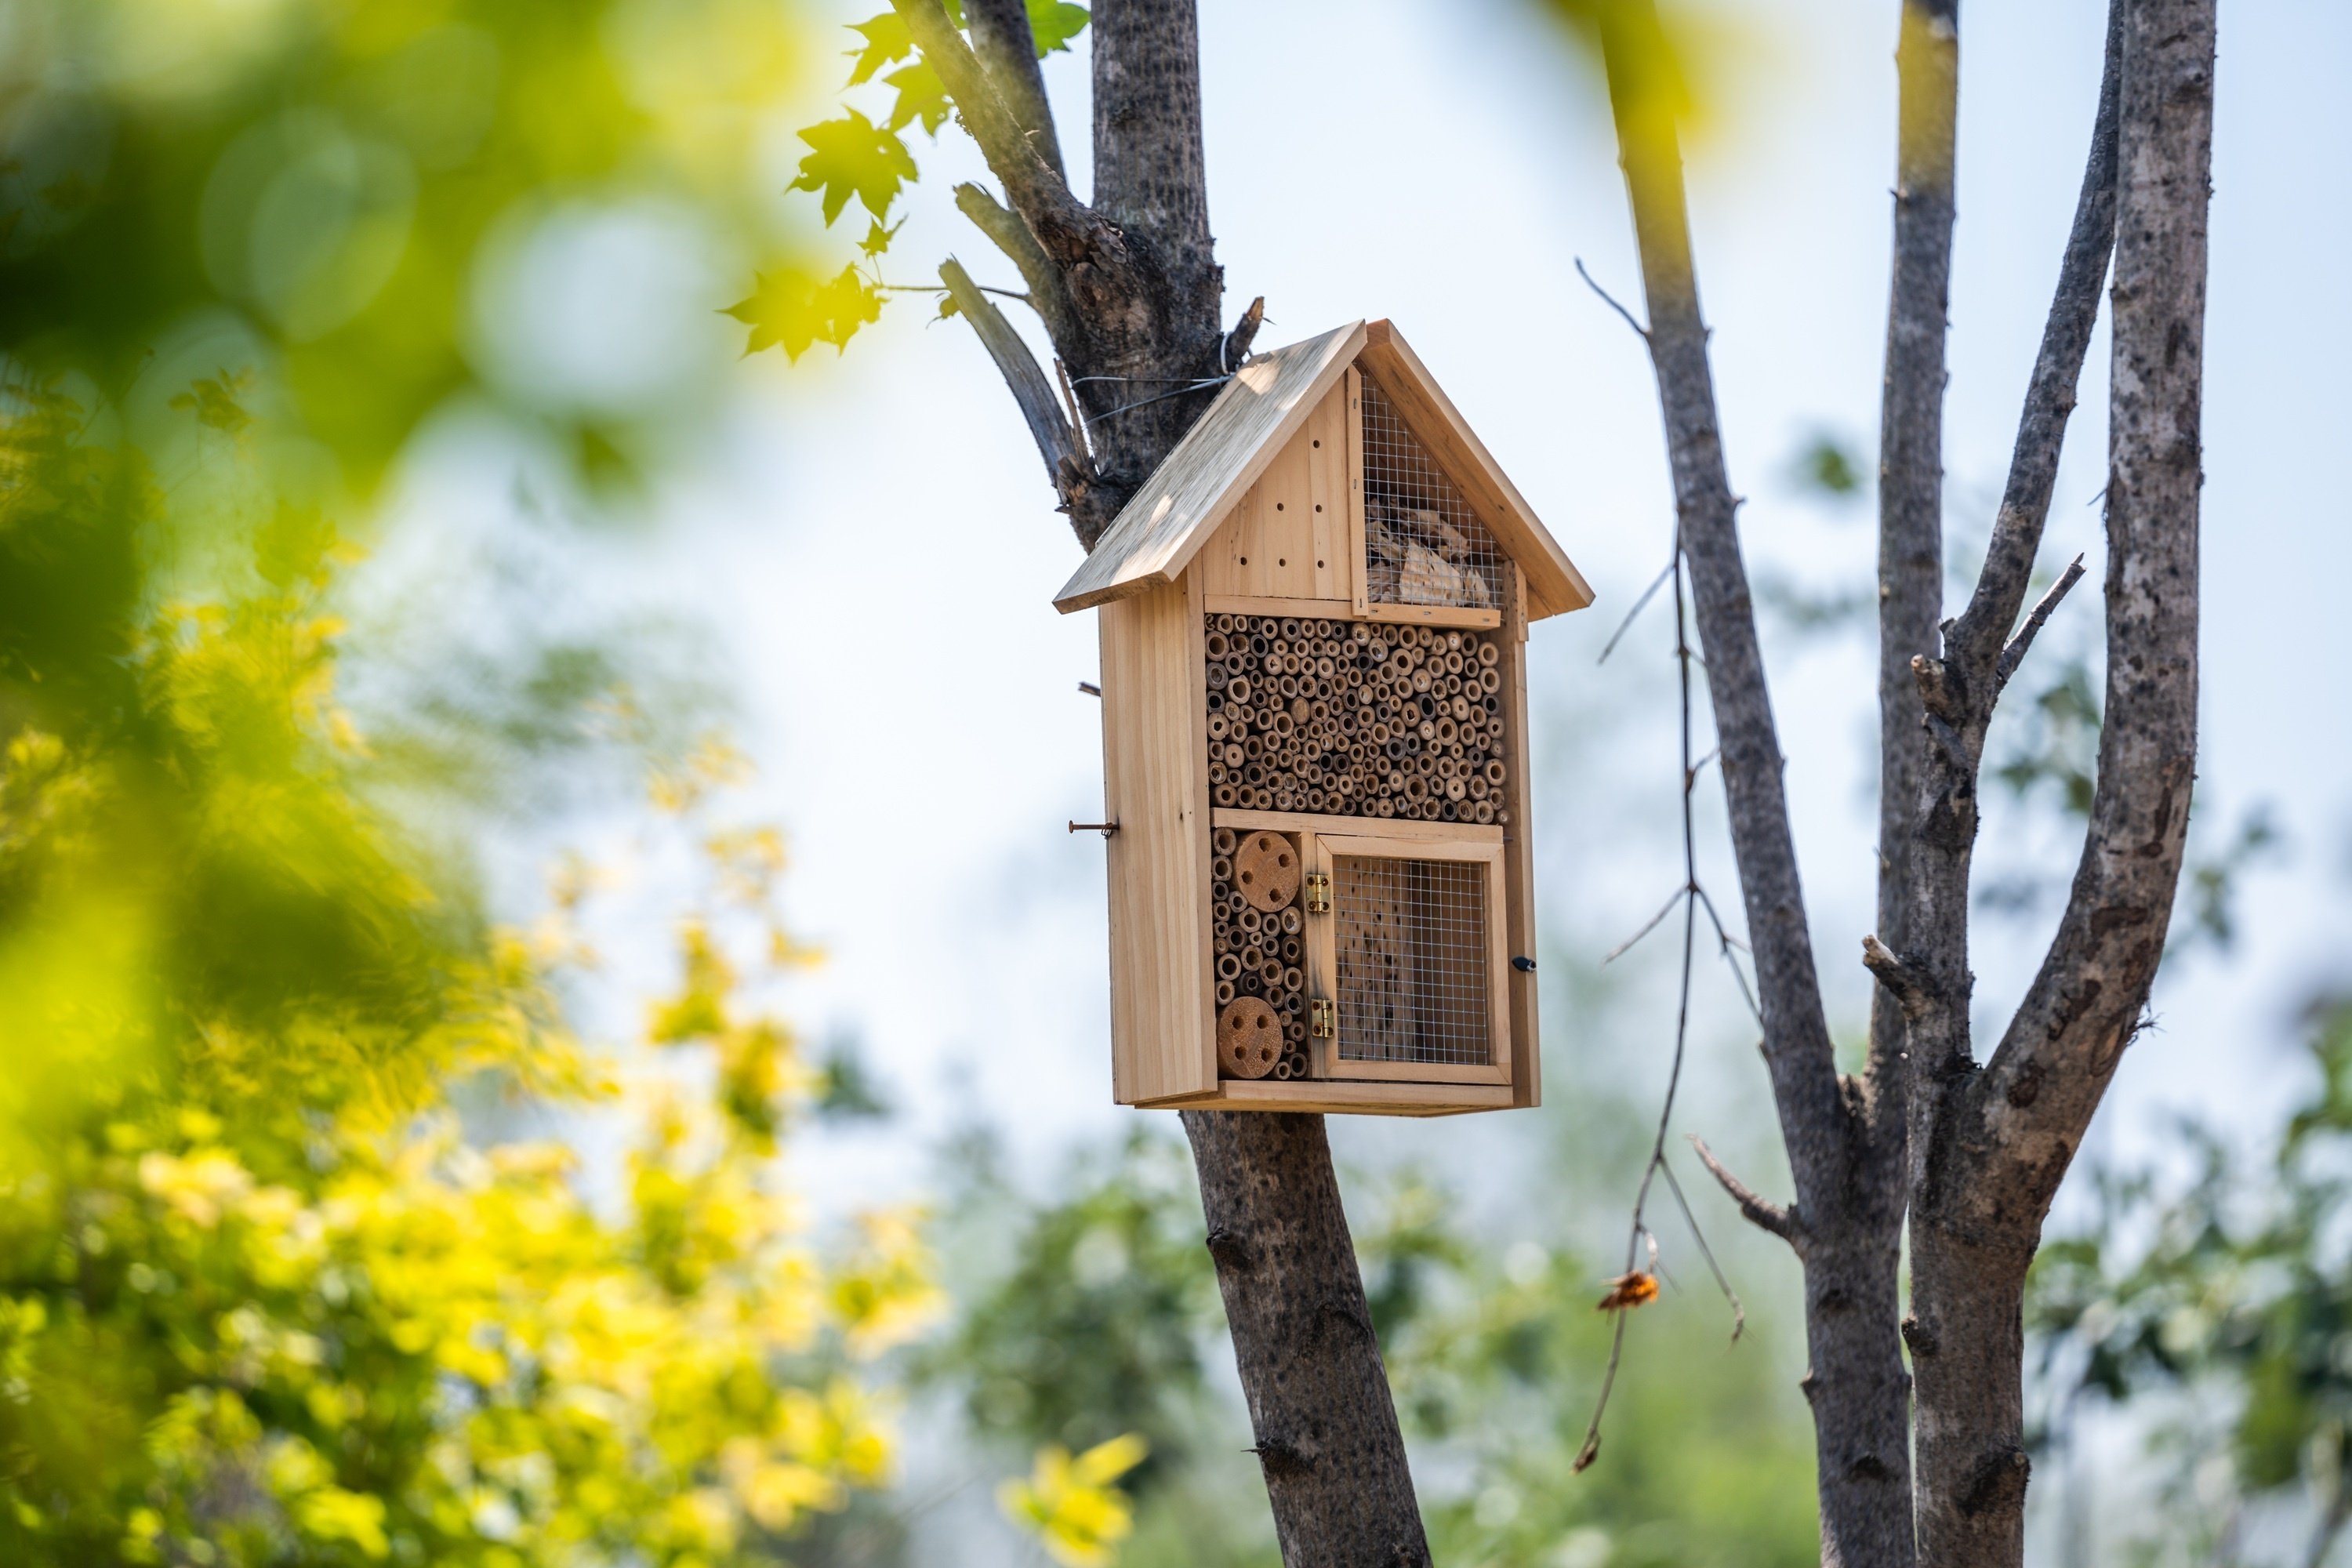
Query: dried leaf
<point>1630,1290</point>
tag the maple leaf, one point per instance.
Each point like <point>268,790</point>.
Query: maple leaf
<point>878,238</point>
<point>853,157</point>
<point>887,40</point>
<point>792,311</point>
<point>922,95</point>
<point>1054,23</point>
<point>214,400</point>
<point>1630,1290</point>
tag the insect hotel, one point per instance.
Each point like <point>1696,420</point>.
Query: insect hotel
<point>1314,695</point>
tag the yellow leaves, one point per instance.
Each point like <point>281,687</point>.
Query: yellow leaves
<point>199,1188</point>
<point>1071,1504</point>
<point>883,1293</point>
<point>1628,1291</point>
<point>333,1514</point>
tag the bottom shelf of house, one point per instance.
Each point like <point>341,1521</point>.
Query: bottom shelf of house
<point>1362,965</point>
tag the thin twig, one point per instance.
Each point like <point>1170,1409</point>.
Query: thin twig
<point>1728,940</point>
<point>1692,895</point>
<point>1759,1211</point>
<point>2013,653</point>
<point>1738,1312</point>
<point>1647,926</point>
<point>1627,623</point>
<point>1639,330</point>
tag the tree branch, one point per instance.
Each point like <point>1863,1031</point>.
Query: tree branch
<point>1238,341</point>
<point>1797,1040</point>
<point>1067,229</point>
<point>2054,1062</point>
<point>1049,292</point>
<point>1057,443</point>
<point>1903,985</point>
<point>1007,51</point>
<point>1911,491</point>
<point>2014,654</point>
<point>2050,396</point>
<point>1758,1210</point>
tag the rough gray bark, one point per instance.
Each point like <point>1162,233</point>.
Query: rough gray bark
<point>1319,1398</point>
<point>2006,1134</point>
<point>1845,1224</point>
<point>1973,1154</point>
<point>1911,484</point>
<point>1129,291</point>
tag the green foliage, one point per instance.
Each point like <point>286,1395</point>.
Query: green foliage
<point>295,200</point>
<point>1090,1323</point>
<point>1825,465</point>
<point>852,155</point>
<point>2239,1291</point>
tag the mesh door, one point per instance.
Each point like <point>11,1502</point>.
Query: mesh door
<point>1423,544</point>
<point>1413,959</point>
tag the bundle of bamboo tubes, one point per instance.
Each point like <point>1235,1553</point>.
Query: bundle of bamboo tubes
<point>1259,952</point>
<point>1355,719</point>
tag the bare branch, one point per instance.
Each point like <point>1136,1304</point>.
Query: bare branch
<point>1068,230</point>
<point>1699,1238</point>
<point>1911,485</point>
<point>1610,299</point>
<point>1797,1040</point>
<point>1007,51</point>
<point>2055,1062</point>
<point>1904,984</point>
<point>1057,443</point>
<point>2014,654</point>
<point>1758,1210</point>
<point>1627,623</point>
<point>1237,342</point>
<point>2049,395</point>
<point>1648,926</point>
<point>1049,293</point>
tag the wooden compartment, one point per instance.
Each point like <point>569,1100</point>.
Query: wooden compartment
<point>1313,627</point>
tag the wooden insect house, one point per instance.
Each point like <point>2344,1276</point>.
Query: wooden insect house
<point>1314,696</point>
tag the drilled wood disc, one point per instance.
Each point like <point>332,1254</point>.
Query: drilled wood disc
<point>1265,869</point>
<point>1249,1037</point>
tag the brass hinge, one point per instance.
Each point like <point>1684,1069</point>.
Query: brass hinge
<point>1323,1018</point>
<point>1318,893</point>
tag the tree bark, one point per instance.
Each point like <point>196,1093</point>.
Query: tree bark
<point>2003,1136</point>
<point>1847,1217</point>
<point>1129,291</point>
<point>1327,1439</point>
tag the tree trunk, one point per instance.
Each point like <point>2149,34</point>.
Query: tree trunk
<point>1129,289</point>
<point>1327,1439</point>
<point>1846,1221</point>
<point>2004,1135</point>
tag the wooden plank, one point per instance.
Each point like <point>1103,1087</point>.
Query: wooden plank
<point>1328,489</point>
<point>1518,858</point>
<point>1555,585</point>
<point>1384,826</point>
<point>1322,970</point>
<point>1155,782</point>
<point>1341,1099</point>
<point>1241,604</point>
<point>1158,532</point>
<point>1431,616</point>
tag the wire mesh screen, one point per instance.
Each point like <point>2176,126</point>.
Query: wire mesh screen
<point>1412,938</point>
<point>1423,544</point>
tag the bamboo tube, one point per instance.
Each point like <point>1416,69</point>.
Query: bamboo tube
<point>1486,811</point>
<point>1488,655</point>
<point>1497,775</point>
<point>1225,991</point>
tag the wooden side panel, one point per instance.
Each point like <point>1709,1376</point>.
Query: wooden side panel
<point>1155,786</point>
<point>1362,1098</point>
<point>1518,857</point>
<point>1283,539</point>
<point>1330,481</point>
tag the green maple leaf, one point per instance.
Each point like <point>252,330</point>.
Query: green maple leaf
<point>853,157</point>
<point>1055,22</point>
<point>887,40</point>
<point>878,238</point>
<point>922,95</point>
<point>792,310</point>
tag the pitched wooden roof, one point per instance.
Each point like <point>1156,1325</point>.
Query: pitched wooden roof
<point>1164,525</point>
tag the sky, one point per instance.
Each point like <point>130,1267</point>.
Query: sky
<point>867,542</point>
